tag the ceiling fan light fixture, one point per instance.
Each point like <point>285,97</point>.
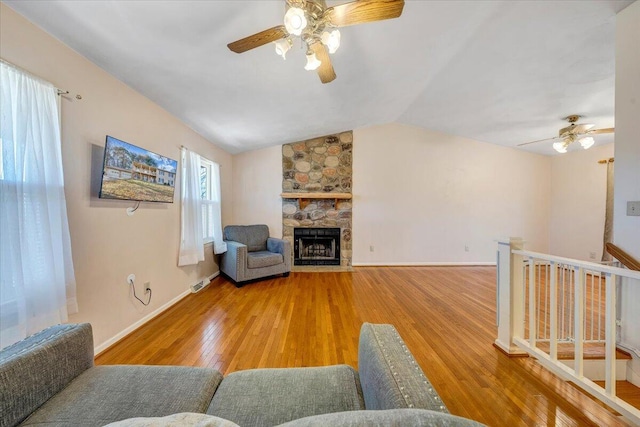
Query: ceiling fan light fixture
<point>283,46</point>
<point>560,147</point>
<point>312,62</point>
<point>331,40</point>
<point>587,142</point>
<point>295,21</point>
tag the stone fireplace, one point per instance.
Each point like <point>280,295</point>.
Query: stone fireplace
<point>316,246</point>
<point>316,194</point>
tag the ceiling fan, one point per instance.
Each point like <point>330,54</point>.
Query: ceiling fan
<point>316,25</point>
<point>574,132</point>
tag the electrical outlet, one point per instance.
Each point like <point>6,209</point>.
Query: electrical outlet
<point>371,248</point>
<point>592,255</point>
<point>633,208</point>
<point>130,279</point>
<point>466,248</point>
<point>147,287</point>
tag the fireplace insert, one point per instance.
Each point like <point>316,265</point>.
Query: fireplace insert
<point>316,246</point>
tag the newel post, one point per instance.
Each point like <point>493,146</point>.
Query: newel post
<point>509,296</point>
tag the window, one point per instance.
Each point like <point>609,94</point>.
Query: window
<point>210,198</point>
<point>37,284</point>
<point>201,208</point>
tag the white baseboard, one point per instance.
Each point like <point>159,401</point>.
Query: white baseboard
<point>117,337</point>
<point>425,264</point>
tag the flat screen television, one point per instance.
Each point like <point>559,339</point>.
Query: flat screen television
<point>133,173</point>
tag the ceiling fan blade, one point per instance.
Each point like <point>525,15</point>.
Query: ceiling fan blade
<point>325,70</point>
<point>599,131</point>
<point>539,140</point>
<point>362,11</point>
<point>258,39</point>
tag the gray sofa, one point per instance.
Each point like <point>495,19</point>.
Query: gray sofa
<point>50,379</point>
<point>252,254</point>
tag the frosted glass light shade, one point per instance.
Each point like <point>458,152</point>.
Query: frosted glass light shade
<point>560,147</point>
<point>331,40</point>
<point>295,21</point>
<point>587,142</point>
<point>312,62</point>
<point>283,46</point>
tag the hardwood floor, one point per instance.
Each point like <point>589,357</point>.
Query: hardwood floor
<point>446,315</point>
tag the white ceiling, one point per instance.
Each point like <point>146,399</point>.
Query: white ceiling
<point>503,72</point>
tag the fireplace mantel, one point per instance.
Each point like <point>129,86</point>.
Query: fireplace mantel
<point>303,198</point>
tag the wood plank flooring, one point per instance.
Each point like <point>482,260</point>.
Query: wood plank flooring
<point>446,315</point>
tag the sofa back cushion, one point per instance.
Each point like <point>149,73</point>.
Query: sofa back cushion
<point>38,367</point>
<point>254,236</point>
<point>105,394</point>
<point>268,397</point>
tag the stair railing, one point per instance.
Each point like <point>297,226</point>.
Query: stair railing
<point>542,297</point>
<point>627,260</point>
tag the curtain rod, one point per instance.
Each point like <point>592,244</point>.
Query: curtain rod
<point>603,161</point>
<point>58,90</point>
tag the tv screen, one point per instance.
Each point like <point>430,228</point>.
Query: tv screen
<point>133,173</point>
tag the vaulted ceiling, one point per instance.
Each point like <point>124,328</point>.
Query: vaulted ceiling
<point>503,72</point>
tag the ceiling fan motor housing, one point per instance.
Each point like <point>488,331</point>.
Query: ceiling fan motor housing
<point>567,131</point>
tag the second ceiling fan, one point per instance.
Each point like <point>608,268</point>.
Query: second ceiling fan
<point>316,25</point>
<point>580,132</point>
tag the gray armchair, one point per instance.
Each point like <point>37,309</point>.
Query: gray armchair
<point>252,254</point>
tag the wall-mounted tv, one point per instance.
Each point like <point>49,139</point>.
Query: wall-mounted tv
<point>133,173</point>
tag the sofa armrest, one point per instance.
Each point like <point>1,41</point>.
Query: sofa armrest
<point>280,246</point>
<point>234,262</point>
<point>38,367</point>
<point>389,374</point>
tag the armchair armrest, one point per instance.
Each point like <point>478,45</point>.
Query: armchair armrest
<point>234,261</point>
<point>280,246</point>
<point>389,374</point>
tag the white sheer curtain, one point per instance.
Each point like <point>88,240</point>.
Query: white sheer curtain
<point>191,243</point>
<point>37,282</point>
<point>219,245</point>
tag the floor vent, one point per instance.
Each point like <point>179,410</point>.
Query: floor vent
<point>198,286</point>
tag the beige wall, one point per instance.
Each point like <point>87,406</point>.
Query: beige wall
<point>414,187</point>
<point>421,196</point>
<point>627,152</point>
<point>578,195</point>
<point>107,244</point>
<point>257,185</point>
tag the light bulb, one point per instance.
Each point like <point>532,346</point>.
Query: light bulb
<point>560,147</point>
<point>331,40</point>
<point>587,142</point>
<point>283,46</point>
<point>295,21</point>
<point>312,62</point>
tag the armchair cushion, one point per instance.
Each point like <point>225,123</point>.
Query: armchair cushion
<point>263,259</point>
<point>254,236</point>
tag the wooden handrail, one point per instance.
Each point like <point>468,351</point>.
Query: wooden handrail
<point>627,260</point>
